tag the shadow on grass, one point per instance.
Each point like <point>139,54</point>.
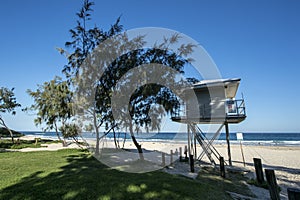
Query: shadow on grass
<point>85,178</point>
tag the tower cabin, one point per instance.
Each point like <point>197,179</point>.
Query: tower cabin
<point>210,102</point>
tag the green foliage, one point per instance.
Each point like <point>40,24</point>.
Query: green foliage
<point>8,104</point>
<point>84,40</point>
<point>8,101</point>
<point>20,144</point>
<point>145,98</point>
<point>5,133</point>
<point>40,175</point>
<point>53,103</point>
<point>262,185</point>
<point>254,182</point>
<point>25,145</point>
<point>95,74</point>
<point>70,130</point>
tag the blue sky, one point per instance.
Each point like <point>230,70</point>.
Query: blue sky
<point>258,41</point>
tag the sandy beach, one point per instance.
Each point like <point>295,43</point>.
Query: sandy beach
<point>283,159</point>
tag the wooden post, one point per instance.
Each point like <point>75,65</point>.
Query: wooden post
<point>222,167</point>
<point>228,143</point>
<point>195,146</point>
<point>180,153</point>
<point>273,188</point>
<point>192,150</point>
<point>171,157</point>
<point>189,139</point>
<point>258,170</point>
<point>293,193</point>
<point>242,152</point>
<point>185,151</point>
<point>163,157</point>
<point>192,163</point>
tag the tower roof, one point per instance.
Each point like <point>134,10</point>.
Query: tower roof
<point>230,85</point>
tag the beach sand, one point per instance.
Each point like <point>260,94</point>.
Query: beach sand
<point>283,159</point>
<point>46,147</point>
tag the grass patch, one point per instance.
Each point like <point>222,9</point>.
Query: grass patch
<point>75,174</point>
<point>257,184</point>
<point>234,181</point>
<point>262,185</point>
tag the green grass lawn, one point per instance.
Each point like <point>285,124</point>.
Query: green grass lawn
<point>75,174</point>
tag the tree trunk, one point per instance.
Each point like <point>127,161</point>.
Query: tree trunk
<point>10,132</point>
<point>97,142</point>
<point>124,140</point>
<point>97,134</point>
<point>57,132</point>
<point>138,146</point>
<point>117,145</point>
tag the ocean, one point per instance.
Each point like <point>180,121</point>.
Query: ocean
<point>267,139</point>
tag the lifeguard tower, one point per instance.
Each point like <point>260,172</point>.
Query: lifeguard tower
<point>210,102</point>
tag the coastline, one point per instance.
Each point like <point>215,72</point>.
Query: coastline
<point>252,139</point>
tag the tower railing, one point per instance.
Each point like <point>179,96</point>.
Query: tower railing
<point>233,108</point>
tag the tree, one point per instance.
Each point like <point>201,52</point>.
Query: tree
<point>83,42</point>
<point>70,130</point>
<point>8,104</point>
<point>53,103</point>
<point>146,97</point>
<point>83,62</point>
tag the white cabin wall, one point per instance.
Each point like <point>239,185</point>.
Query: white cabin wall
<point>211,103</point>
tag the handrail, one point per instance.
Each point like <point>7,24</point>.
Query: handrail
<point>238,108</point>
<point>232,108</point>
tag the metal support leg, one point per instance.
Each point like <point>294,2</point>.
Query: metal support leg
<point>228,144</point>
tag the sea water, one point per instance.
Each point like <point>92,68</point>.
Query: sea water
<point>257,138</point>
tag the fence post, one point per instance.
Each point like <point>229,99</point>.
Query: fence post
<point>293,193</point>
<point>273,188</point>
<point>163,157</point>
<point>180,153</point>
<point>171,157</point>
<point>258,170</point>
<point>222,167</point>
<point>192,163</point>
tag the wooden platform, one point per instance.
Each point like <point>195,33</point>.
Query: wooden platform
<point>231,119</point>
